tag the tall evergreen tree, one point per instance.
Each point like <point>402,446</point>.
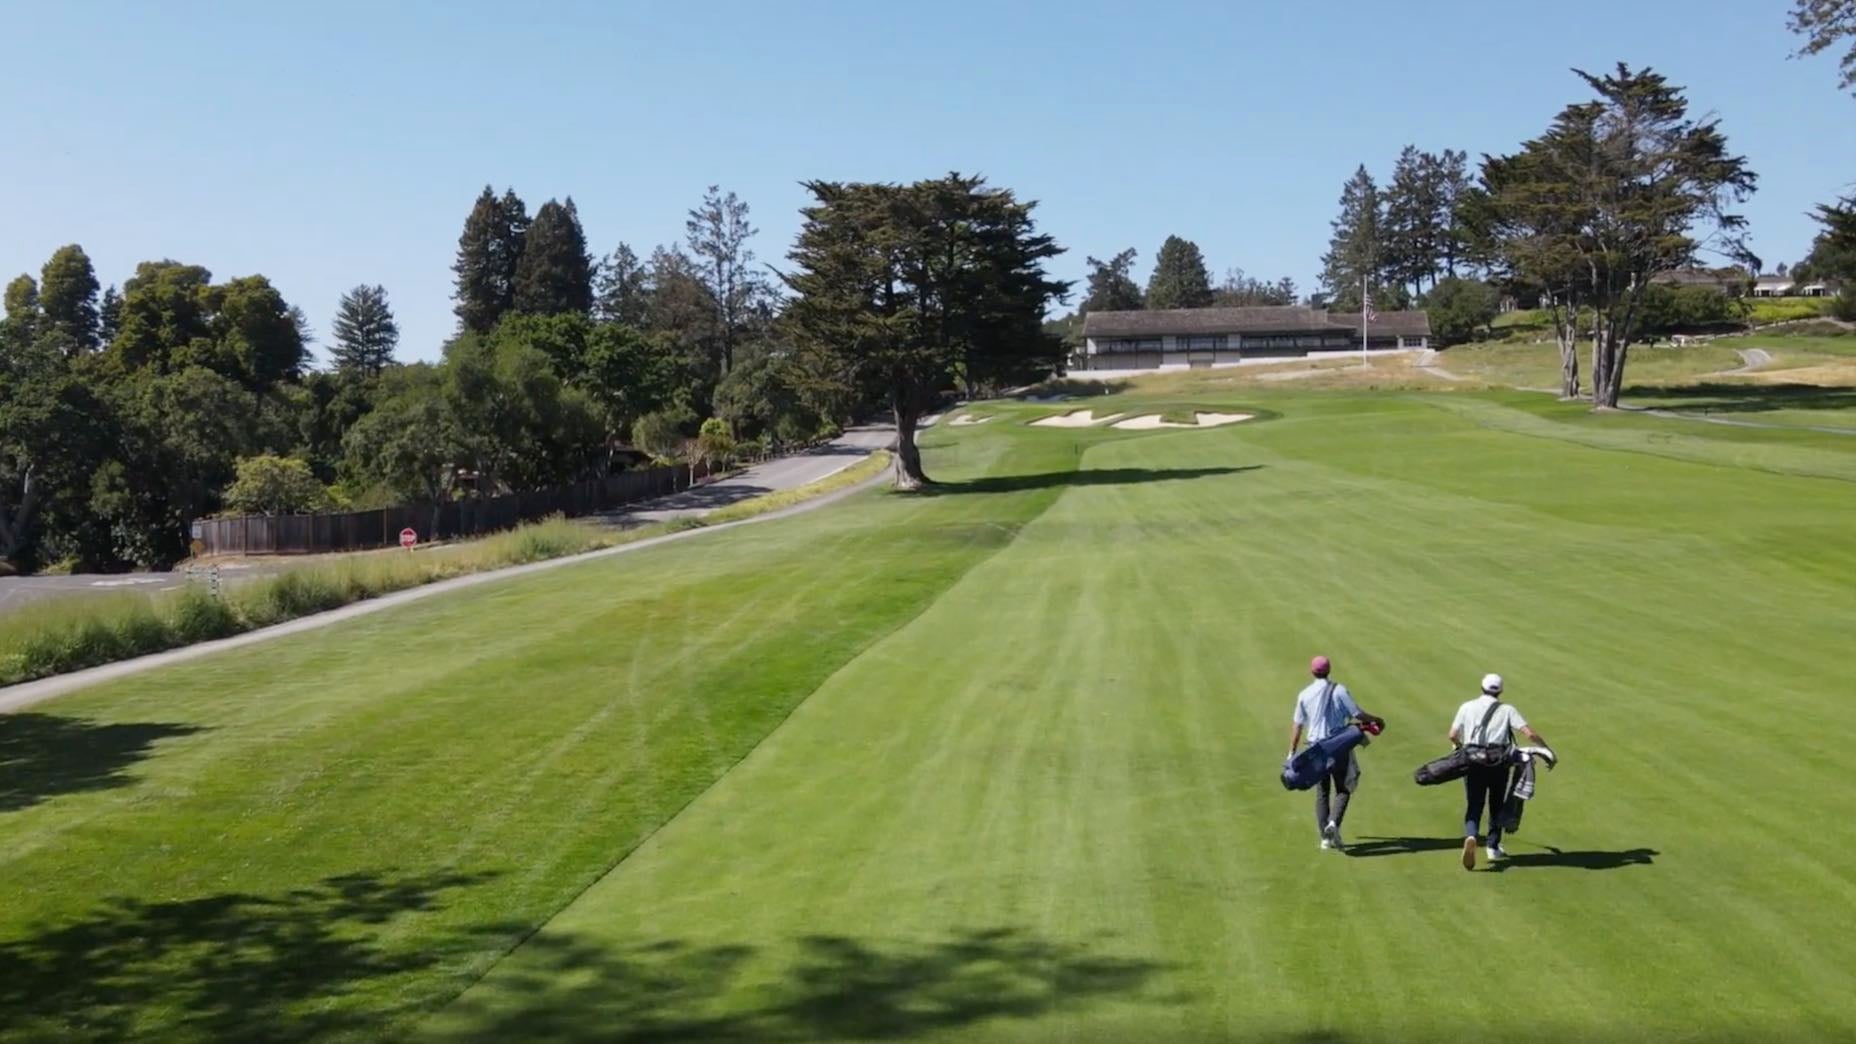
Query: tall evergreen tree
<point>554,275</point>
<point>1413,234</point>
<point>365,332</point>
<point>1111,285</point>
<point>1354,249</point>
<point>1451,187</point>
<point>623,288</point>
<point>1179,279</point>
<point>109,316</point>
<point>718,231</point>
<point>22,299</point>
<point>489,250</point>
<point>68,298</point>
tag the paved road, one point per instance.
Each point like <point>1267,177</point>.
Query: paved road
<point>773,476</point>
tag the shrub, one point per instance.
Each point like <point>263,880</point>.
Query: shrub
<point>1843,306</point>
<point>273,485</point>
<point>199,617</point>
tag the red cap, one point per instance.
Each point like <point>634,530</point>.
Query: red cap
<point>1319,666</point>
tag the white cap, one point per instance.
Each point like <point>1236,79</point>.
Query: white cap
<point>1492,684</point>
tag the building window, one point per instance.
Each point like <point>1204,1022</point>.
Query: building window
<point>1201,344</point>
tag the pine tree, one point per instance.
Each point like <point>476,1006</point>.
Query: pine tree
<point>555,275</point>
<point>365,332</point>
<point>1412,236</point>
<point>623,289</point>
<point>109,315</point>
<point>1179,279</point>
<point>718,232</point>
<point>1111,285</point>
<point>488,252</point>
<point>68,298</point>
<point>1354,249</point>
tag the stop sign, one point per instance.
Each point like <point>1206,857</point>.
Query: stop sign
<point>408,538</point>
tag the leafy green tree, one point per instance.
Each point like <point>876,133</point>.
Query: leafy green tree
<point>1179,279</point>
<point>53,437</point>
<point>1833,251</point>
<point>718,232</point>
<point>1459,308</point>
<point>411,444</point>
<point>623,289</point>
<point>365,331</point>
<point>271,485</point>
<point>167,307</point>
<point>761,397</point>
<point>554,275</point>
<point>1355,250</point>
<point>1676,309</point>
<point>522,426</point>
<point>1111,285</point>
<point>1637,187</point>
<point>899,287</point>
<point>1826,24</point>
<point>1524,220</point>
<point>489,250</point>
<point>258,337</point>
<point>715,443</point>
<point>68,298</point>
<point>663,433</point>
<point>178,437</point>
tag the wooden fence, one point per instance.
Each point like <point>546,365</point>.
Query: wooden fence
<point>362,530</point>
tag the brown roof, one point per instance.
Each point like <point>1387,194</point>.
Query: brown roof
<point>1390,324</point>
<point>1264,319</point>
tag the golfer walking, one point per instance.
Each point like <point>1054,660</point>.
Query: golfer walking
<point>1487,721</point>
<point>1323,708</point>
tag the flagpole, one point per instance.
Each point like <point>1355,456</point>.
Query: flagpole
<point>1366,309</point>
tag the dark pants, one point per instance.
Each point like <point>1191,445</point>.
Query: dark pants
<point>1343,776</point>
<point>1486,787</point>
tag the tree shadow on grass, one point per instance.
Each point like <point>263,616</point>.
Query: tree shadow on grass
<point>1747,398</point>
<point>1081,477</point>
<point>223,967</point>
<point>1551,856</point>
<point>827,988</point>
<point>44,755</point>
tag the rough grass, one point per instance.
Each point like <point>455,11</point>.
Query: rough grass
<point>68,634</point>
<point>1786,309</point>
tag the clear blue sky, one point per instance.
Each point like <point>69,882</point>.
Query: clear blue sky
<point>330,144</point>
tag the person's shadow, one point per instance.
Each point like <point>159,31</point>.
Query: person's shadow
<point>1552,856</point>
<point>1548,856</point>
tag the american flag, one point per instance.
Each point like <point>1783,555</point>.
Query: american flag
<point>1370,314</point>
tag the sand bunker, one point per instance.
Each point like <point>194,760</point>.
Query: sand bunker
<point>1074,419</point>
<point>968,418</point>
<point>1149,421</point>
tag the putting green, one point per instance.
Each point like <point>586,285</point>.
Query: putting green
<point>1000,763</point>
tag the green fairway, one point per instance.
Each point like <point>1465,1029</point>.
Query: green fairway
<point>999,763</point>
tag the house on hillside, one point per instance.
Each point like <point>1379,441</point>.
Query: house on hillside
<point>1773,286</point>
<point>1729,281</point>
<point>1181,338</point>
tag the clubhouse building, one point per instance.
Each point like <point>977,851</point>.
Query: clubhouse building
<point>1196,338</point>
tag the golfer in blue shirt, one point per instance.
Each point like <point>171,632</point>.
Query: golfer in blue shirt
<point>1322,709</point>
